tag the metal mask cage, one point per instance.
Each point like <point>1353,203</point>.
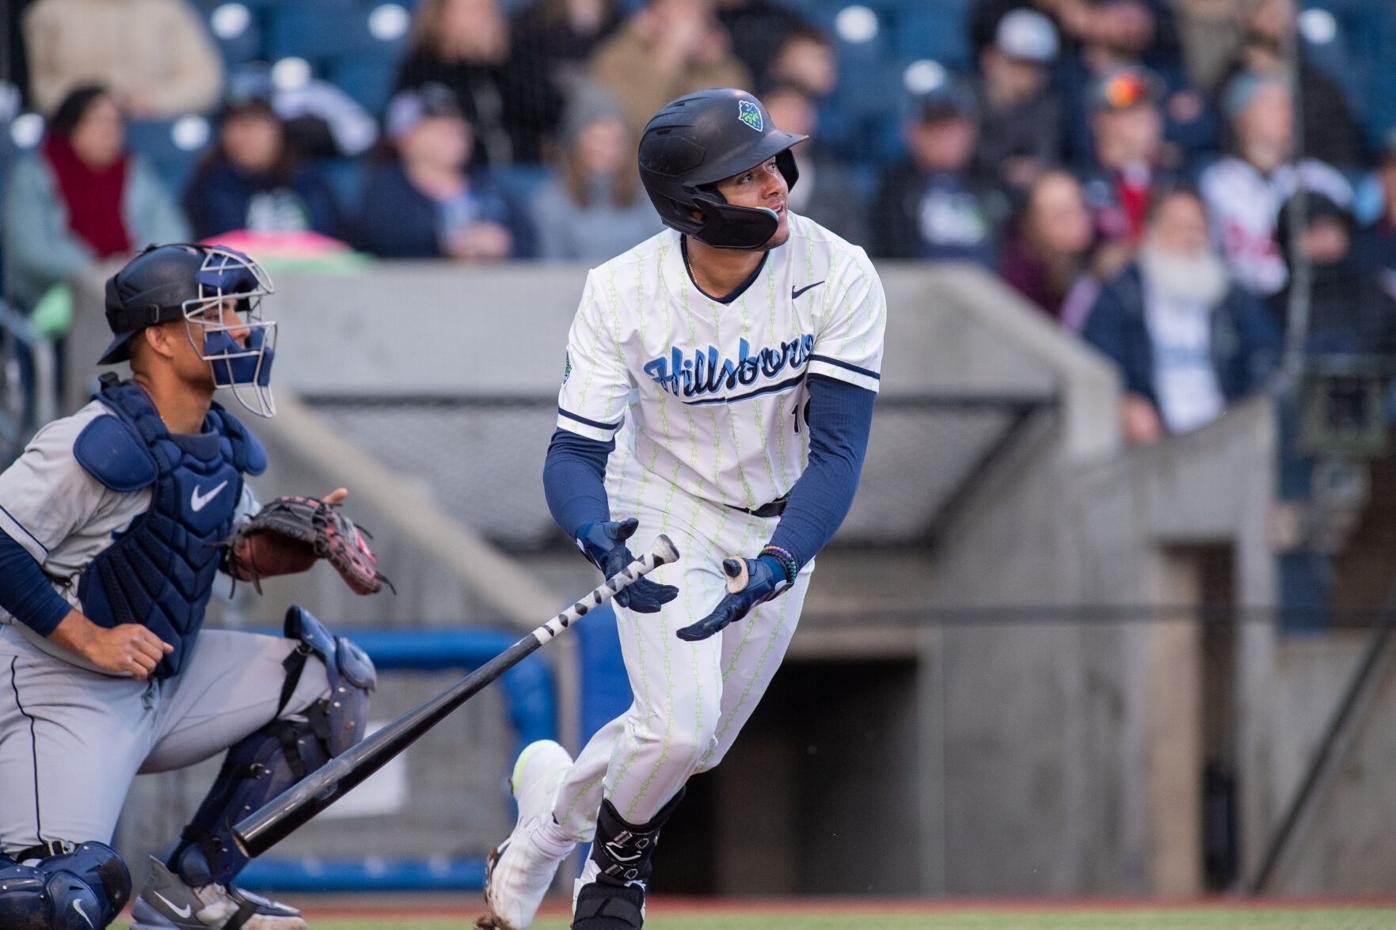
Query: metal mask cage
<point>251,342</point>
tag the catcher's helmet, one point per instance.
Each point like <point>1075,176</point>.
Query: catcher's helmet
<point>181,282</point>
<point>696,141</point>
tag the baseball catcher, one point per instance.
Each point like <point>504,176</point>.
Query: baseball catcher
<point>114,523</point>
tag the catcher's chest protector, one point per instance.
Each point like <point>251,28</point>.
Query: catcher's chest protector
<point>160,572</point>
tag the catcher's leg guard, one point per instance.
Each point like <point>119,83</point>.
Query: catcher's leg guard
<point>82,889</point>
<point>262,765</point>
<point>611,892</point>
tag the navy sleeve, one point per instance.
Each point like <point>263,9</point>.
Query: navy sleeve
<point>25,592</point>
<point>574,480</point>
<point>840,418</point>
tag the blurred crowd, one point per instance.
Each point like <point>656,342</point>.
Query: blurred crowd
<point>1147,173</point>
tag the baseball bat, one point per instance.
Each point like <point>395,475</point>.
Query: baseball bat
<point>281,816</point>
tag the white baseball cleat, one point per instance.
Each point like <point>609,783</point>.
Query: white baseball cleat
<point>520,870</point>
<point>166,902</point>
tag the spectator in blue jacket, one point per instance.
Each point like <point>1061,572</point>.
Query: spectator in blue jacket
<point>251,179</point>
<point>1188,341</point>
<point>425,202</point>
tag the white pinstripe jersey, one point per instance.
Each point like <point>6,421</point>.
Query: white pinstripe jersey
<point>720,387</point>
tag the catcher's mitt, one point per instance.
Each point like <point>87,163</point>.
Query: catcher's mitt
<point>290,533</point>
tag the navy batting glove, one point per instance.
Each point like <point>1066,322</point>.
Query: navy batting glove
<point>765,578</point>
<point>603,543</point>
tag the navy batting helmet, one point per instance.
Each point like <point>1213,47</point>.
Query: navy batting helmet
<point>696,141</point>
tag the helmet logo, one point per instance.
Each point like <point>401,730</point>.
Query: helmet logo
<point>750,114</point>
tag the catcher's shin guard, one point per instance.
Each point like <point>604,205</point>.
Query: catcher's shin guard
<point>256,769</point>
<point>261,766</point>
<point>350,672</point>
<point>611,893</point>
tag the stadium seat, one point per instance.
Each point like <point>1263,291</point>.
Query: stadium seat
<point>339,41</point>
<point>155,140</point>
<point>345,177</point>
<point>318,31</point>
<point>930,31</point>
<point>236,28</point>
<point>368,78</point>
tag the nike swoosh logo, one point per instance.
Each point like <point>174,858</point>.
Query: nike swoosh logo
<point>77,906</point>
<point>181,912</point>
<point>199,501</point>
<point>797,291</point>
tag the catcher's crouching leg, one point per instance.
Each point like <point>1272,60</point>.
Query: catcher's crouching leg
<point>262,765</point>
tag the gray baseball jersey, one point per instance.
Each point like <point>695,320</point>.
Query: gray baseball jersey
<point>73,737</point>
<point>64,517</point>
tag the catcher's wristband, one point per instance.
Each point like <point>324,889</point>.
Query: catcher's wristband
<point>786,560</point>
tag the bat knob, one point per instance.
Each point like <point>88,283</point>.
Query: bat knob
<point>737,578</point>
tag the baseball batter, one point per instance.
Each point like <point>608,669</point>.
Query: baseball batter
<point>741,350</point>
<point>111,524</point>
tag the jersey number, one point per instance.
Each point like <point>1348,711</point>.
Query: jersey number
<point>795,414</point>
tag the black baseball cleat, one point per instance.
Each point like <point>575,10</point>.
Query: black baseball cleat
<point>600,906</point>
<point>166,902</point>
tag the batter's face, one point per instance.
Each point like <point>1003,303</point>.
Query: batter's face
<point>762,186</point>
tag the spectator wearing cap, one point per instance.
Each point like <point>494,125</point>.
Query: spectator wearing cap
<point>80,198</point>
<point>155,56</point>
<point>1113,34</point>
<point>424,201</point>
<point>251,179</point>
<point>930,205</point>
<point>826,192</point>
<point>1020,117</point>
<point>1128,163</point>
<point>668,48</point>
<point>1377,248</point>
<point>1272,45</point>
<point>1245,189</point>
<point>1187,340</point>
<point>593,207</point>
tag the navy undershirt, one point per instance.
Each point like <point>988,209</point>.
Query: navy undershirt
<point>25,591</point>
<point>840,418</point>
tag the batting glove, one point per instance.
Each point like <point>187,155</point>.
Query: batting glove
<point>749,582</point>
<point>603,543</point>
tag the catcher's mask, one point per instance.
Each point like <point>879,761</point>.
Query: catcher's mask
<point>192,282</point>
